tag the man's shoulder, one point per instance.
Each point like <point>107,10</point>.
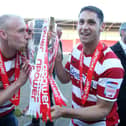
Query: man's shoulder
<point>115,46</point>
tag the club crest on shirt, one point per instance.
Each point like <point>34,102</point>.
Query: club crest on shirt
<point>110,89</point>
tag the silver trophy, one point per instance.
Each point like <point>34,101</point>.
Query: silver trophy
<point>34,48</point>
<point>37,27</point>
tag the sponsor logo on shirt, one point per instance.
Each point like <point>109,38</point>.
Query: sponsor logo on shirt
<point>110,89</point>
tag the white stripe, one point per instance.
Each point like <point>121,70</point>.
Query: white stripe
<point>98,68</point>
<point>87,61</point>
<point>75,105</point>
<point>10,64</point>
<point>108,50</point>
<point>76,53</point>
<point>6,103</point>
<point>111,63</point>
<point>80,123</point>
<point>92,98</point>
<point>76,91</point>
<point>94,84</point>
<point>69,58</point>
<point>106,99</point>
<point>74,72</point>
<point>2,110</point>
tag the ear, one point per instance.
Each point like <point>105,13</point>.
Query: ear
<point>102,27</point>
<point>122,32</point>
<point>3,34</point>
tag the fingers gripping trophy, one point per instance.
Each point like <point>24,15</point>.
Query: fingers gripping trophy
<point>42,50</point>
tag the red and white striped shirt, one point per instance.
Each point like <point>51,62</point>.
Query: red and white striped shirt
<point>106,81</point>
<point>10,69</point>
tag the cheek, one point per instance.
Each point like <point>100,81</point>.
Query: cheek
<point>78,29</point>
<point>18,38</point>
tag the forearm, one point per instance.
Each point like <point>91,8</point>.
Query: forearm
<point>7,94</point>
<point>85,114</point>
<point>92,113</point>
<point>63,76</point>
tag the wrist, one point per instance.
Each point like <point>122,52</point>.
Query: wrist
<point>18,83</point>
<point>64,112</point>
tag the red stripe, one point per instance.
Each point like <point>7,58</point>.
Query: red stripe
<point>67,66</point>
<point>110,55</point>
<point>8,59</point>
<point>78,101</point>
<point>101,93</point>
<point>26,27</point>
<point>73,122</point>
<point>10,73</point>
<point>113,73</point>
<point>6,112</point>
<point>75,64</point>
<point>92,90</point>
<point>6,106</point>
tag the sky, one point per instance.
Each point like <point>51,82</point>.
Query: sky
<point>114,10</point>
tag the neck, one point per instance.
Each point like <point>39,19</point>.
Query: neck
<point>89,48</point>
<point>6,51</point>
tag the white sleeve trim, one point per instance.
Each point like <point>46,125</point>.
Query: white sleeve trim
<point>106,99</point>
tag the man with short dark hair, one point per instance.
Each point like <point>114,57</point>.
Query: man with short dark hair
<point>96,74</point>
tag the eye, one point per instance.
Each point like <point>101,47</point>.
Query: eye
<point>81,21</point>
<point>29,31</point>
<point>91,22</point>
<point>21,30</point>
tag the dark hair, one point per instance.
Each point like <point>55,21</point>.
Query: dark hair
<point>94,9</point>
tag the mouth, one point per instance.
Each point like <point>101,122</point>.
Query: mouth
<point>23,49</point>
<point>84,35</point>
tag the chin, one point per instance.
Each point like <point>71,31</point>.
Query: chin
<point>85,42</point>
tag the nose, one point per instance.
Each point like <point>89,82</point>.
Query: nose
<point>85,26</point>
<point>28,35</point>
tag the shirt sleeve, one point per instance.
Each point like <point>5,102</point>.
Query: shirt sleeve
<point>110,80</point>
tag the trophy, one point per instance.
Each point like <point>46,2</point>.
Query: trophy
<point>42,50</point>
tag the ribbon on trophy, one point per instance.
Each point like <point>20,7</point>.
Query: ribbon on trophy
<point>42,54</point>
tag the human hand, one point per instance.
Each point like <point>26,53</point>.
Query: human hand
<point>51,38</point>
<point>59,55</point>
<point>24,73</point>
<point>59,32</point>
<point>56,112</point>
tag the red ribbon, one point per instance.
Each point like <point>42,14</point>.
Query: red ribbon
<point>94,59</point>
<point>57,95</point>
